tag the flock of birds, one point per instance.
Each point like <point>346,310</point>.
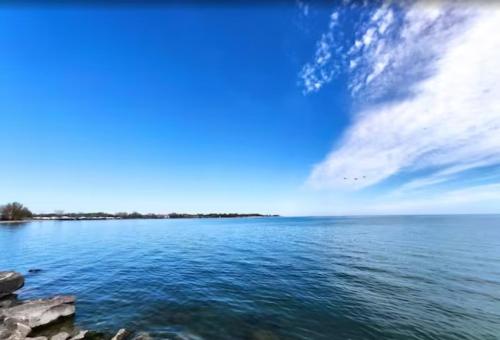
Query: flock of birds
<point>355,178</point>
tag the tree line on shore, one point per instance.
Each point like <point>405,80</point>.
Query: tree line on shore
<point>17,212</point>
<point>14,211</point>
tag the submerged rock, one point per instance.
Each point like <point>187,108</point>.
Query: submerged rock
<point>23,320</point>
<point>10,282</point>
<point>34,271</point>
<point>122,334</point>
<point>41,312</point>
<point>180,318</point>
<point>264,334</point>
<point>80,335</point>
<point>142,336</point>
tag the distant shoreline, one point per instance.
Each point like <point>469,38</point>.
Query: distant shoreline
<point>14,222</point>
<point>106,217</point>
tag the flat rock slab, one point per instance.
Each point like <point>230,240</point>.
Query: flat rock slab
<point>41,312</point>
<point>10,282</point>
<point>80,335</point>
<point>60,336</point>
<point>13,329</point>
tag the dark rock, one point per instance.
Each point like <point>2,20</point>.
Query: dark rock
<point>89,335</point>
<point>64,325</point>
<point>8,301</point>
<point>34,271</point>
<point>92,335</point>
<point>10,282</point>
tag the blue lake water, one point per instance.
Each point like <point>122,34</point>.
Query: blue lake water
<point>425,277</point>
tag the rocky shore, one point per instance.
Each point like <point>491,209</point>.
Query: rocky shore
<point>44,319</point>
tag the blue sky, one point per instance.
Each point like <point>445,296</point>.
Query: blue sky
<point>249,109</point>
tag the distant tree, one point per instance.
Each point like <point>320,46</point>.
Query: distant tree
<point>135,214</point>
<point>14,212</point>
<point>121,214</point>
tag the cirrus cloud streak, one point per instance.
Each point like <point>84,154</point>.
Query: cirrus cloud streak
<point>447,121</point>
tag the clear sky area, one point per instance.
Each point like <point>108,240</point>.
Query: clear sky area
<point>294,109</point>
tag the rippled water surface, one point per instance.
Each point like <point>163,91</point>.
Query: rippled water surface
<point>435,277</point>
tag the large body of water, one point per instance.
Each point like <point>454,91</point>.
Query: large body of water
<point>432,277</point>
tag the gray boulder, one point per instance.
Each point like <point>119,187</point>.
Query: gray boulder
<point>13,329</point>
<point>10,282</point>
<point>41,312</point>
<point>60,336</point>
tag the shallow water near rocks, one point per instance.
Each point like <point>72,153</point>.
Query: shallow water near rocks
<point>411,277</point>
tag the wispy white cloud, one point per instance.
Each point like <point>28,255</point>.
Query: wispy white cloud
<point>390,46</point>
<point>474,199</point>
<point>445,175</point>
<point>322,69</point>
<point>445,58</point>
